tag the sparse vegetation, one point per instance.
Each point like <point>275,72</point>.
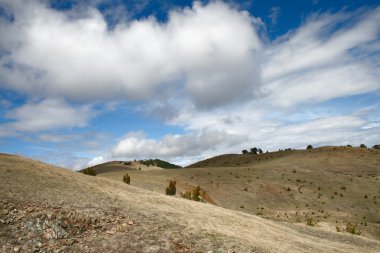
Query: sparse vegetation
<point>171,189</point>
<point>159,163</point>
<point>313,186</point>
<point>310,222</point>
<point>351,228</point>
<point>230,194</point>
<point>127,179</point>
<point>193,195</point>
<point>89,171</point>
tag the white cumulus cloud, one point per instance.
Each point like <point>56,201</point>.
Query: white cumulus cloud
<point>210,50</point>
<point>47,114</point>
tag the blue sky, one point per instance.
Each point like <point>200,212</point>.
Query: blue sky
<point>83,82</point>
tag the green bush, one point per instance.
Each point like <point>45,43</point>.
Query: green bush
<point>171,189</point>
<point>89,171</point>
<point>127,179</point>
<point>351,228</point>
<point>310,222</point>
<point>186,195</point>
<point>363,145</point>
<point>193,195</point>
<point>159,163</point>
<point>309,147</point>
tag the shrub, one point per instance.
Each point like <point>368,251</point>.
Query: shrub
<point>159,163</point>
<point>171,189</point>
<point>351,228</point>
<point>377,146</point>
<point>363,145</point>
<point>310,222</point>
<point>197,193</point>
<point>193,195</point>
<point>127,179</point>
<point>309,147</point>
<point>259,210</point>
<point>186,195</point>
<point>244,152</point>
<point>89,171</point>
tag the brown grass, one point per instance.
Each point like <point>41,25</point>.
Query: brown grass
<point>159,223</point>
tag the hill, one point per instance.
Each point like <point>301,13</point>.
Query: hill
<point>159,163</point>
<point>50,209</point>
<point>331,186</point>
<point>117,166</point>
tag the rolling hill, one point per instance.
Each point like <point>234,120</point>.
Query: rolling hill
<point>50,209</point>
<point>331,187</point>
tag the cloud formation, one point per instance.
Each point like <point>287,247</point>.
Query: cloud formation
<point>205,70</point>
<point>324,59</point>
<point>210,50</point>
<point>136,144</point>
<point>46,115</point>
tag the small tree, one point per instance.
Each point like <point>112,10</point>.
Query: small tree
<point>260,151</point>
<point>127,179</point>
<point>244,152</point>
<point>171,189</point>
<point>89,171</point>
<point>309,147</point>
<point>253,151</point>
<point>363,145</point>
<point>377,146</point>
<point>196,193</point>
<point>351,228</point>
<point>310,222</point>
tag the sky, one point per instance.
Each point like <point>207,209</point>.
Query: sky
<point>84,82</point>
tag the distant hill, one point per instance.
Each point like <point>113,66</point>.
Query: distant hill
<point>159,163</point>
<point>238,160</point>
<point>125,166</point>
<point>50,209</point>
<point>330,186</point>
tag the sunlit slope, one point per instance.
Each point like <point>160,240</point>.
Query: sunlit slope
<point>330,185</point>
<point>51,208</point>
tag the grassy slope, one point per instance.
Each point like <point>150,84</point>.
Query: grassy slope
<point>160,223</point>
<point>328,185</point>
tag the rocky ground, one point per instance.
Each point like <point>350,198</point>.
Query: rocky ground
<point>48,209</point>
<point>46,228</point>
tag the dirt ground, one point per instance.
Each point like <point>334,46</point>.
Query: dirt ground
<point>50,209</point>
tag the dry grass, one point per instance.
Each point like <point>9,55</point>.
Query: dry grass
<point>160,223</point>
<point>289,185</point>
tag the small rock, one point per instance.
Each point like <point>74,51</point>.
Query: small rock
<point>130,222</point>
<point>110,232</point>
<point>39,245</point>
<point>2,221</point>
<point>16,249</point>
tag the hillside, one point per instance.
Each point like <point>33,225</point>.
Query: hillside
<point>50,209</point>
<point>116,166</point>
<point>330,186</point>
<point>159,163</point>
